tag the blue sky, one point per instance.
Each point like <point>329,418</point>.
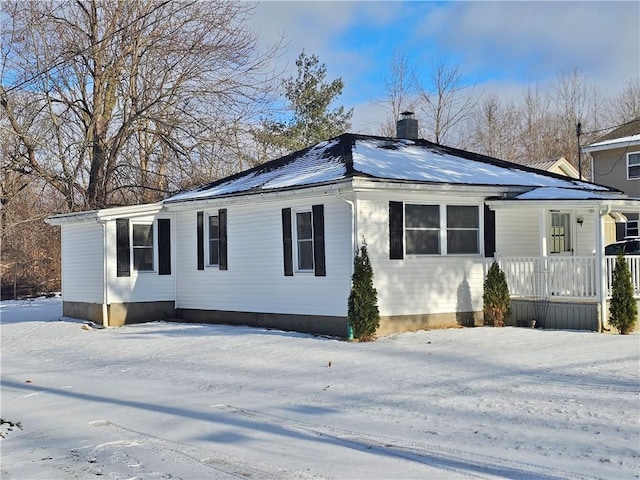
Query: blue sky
<point>499,46</point>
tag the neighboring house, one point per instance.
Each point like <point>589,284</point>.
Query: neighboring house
<point>561,166</point>
<point>273,246</point>
<point>616,163</point>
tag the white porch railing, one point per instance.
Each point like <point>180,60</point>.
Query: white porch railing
<point>561,277</point>
<point>550,276</point>
<point>633,261</point>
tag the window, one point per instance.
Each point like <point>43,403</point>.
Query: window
<point>633,165</point>
<point>304,240</point>
<point>137,241</point>
<point>463,229</point>
<point>211,237</point>
<point>560,232</point>
<point>632,228</point>
<point>214,240</point>
<point>422,229</point>
<point>441,229</point>
<point>142,247</point>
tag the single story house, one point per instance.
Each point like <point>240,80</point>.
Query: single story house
<point>273,246</point>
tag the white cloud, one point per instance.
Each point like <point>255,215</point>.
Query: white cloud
<point>533,41</point>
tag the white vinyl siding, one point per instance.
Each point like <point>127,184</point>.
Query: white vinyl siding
<point>423,284</point>
<point>517,232</point>
<point>82,263</point>
<point>141,286</point>
<point>254,281</point>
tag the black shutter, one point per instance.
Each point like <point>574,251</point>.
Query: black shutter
<point>396,227</point>
<point>287,242</point>
<point>123,250</point>
<point>318,240</point>
<point>222,238</point>
<point>200,242</point>
<point>489,232</point>
<point>164,246</point>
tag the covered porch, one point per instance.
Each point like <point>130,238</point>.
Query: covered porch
<point>552,253</point>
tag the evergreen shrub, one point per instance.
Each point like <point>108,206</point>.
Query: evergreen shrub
<point>363,313</point>
<point>623,310</point>
<point>497,305</point>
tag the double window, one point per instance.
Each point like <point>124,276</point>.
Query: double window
<point>633,165</point>
<point>435,229</point>
<point>141,245</point>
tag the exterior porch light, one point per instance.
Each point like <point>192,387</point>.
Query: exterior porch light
<point>580,220</point>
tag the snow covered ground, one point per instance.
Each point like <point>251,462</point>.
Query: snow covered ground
<point>162,400</point>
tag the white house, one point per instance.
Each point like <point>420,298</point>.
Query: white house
<point>273,246</point>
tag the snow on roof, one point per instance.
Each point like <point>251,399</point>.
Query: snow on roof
<point>629,139</point>
<point>312,166</point>
<point>352,155</point>
<point>555,193</point>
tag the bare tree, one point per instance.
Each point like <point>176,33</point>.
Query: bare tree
<point>625,107</point>
<point>109,99</point>
<point>493,128</point>
<point>446,101</point>
<point>399,92</point>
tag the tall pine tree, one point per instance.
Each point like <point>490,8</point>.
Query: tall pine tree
<point>362,312</point>
<point>309,119</point>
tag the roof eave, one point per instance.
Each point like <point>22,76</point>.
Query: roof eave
<point>104,214</point>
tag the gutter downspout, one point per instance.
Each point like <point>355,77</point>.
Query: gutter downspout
<point>603,268</point>
<point>354,224</point>
<point>354,239</point>
<point>105,276</point>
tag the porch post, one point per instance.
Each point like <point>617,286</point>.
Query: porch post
<point>543,278</point>
<point>601,268</point>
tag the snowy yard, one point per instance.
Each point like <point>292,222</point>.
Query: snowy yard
<point>160,400</point>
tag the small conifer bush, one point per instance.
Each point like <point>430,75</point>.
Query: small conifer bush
<point>497,306</point>
<point>623,310</point>
<point>363,313</point>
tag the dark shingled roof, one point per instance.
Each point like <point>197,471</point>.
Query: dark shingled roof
<point>391,159</point>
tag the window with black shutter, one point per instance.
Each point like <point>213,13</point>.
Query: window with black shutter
<point>164,246</point>
<point>123,249</point>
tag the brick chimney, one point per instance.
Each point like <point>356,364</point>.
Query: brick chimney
<point>407,126</point>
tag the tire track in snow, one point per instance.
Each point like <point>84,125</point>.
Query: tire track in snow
<point>463,464</point>
<point>229,466</point>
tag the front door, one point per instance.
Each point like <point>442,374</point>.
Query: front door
<point>560,241</point>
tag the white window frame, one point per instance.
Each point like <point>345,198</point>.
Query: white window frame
<point>210,239</point>
<point>153,246</point>
<point>296,243</point>
<point>636,165</point>
<point>632,228</point>
<point>443,230</point>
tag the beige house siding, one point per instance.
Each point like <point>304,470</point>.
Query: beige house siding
<point>610,168</point>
